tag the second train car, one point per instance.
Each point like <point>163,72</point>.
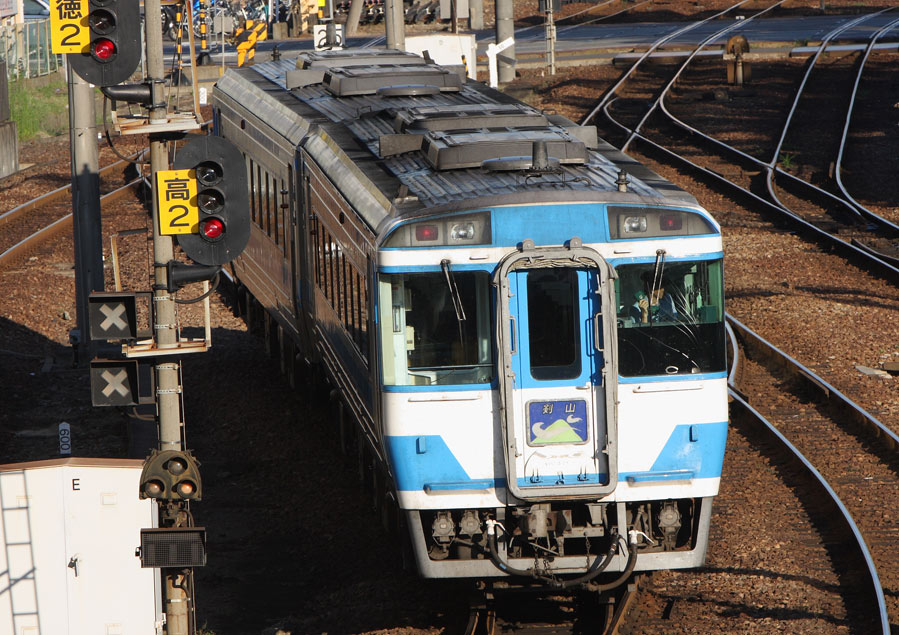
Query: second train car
<point>525,326</point>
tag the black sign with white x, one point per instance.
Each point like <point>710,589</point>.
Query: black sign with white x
<point>114,382</point>
<point>113,316</point>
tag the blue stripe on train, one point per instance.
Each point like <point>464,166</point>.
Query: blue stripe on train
<point>426,463</point>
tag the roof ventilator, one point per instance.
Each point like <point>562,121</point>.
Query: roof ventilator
<point>312,65</point>
<point>394,79</point>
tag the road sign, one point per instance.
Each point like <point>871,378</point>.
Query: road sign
<point>69,28</point>
<point>114,382</point>
<point>176,196</point>
<point>113,315</point>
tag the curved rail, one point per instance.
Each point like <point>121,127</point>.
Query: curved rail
<point>839,160</point>
<point>880,222</point>
<point>56,194</point>
<point>610,93</point>
<point>686,62</point>
<point>874,261</point>
<point>57,226</point>
<point>772,165</point>
<point>844,515</point>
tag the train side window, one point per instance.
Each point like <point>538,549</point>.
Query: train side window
<point>284,204</point>
<point>251,179</point>
<point>363,315</point>
<point>425,341</point>
<point>268,205</point>
<point>259,196</point>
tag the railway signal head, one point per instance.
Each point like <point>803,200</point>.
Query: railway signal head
<point>171,475</point>
<point>114,50</point>
<point>223,227</point>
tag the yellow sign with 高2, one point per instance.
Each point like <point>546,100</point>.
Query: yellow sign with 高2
<point>70,32</point>
<point>176,196</point>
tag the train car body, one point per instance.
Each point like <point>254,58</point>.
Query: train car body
<point>524,324</point>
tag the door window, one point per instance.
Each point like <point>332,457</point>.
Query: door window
<point>553,318</point>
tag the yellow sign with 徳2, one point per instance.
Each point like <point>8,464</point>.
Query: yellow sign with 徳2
<point>69,28</point>
<point>176,197</point>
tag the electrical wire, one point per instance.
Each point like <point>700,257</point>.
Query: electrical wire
<point>215,284</point>
<point>112,147</point>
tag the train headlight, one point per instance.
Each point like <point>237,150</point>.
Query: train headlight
<point>467,229</point>
<point>462,231</point>
<point>629,222</point>
<point>634,224</point>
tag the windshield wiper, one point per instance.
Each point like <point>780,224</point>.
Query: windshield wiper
<point>453,289</point>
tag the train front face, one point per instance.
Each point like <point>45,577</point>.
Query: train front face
<point>554,375</point>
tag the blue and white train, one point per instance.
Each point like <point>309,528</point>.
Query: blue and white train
<point>525,326</point>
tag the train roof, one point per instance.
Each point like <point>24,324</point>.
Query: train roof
<point>427,140</point>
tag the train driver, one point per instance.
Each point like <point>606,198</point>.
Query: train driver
<point>653,304</point>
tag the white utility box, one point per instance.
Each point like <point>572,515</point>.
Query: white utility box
<point>68,533</point>
<point>447,49</point>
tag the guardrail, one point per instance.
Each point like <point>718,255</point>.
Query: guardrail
<point>26,49</point>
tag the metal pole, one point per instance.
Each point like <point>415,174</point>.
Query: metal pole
<point>87,225</point>
<point>164,322</point>
<point>395,25</point>
<point>505,28</point>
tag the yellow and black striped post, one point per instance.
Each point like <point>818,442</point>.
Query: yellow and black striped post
<point>203,57</point>
<point>179,54</point>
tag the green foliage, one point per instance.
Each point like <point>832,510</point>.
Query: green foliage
<point>39,111</point>
<point>786,160</point>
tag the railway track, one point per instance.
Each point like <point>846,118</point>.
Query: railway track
<point>19,238</point>
<point>526,612</point>
<point>834,219</point>
<point>843,451</point>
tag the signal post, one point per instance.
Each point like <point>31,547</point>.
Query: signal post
<point>204,204</point>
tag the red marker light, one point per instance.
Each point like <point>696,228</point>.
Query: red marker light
<point>426,232</point>
<point>104,49</point>
<point>212,228</point>
<point>670,222</point>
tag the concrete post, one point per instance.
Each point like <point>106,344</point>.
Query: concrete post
<point>168,404</point>
<point>505,28</point>
<point>352,19</point>
<point>395,24</point>
<point>475,14</point>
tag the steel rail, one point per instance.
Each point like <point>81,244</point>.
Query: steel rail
<point>652,49</point>
<point>56,194</point>
<point>57,226</point>
<point>885,224</point>
<point>844,515</point>
<point>875,262</point>
<point>769,179</point>
<point>686,62</point>
<point>880,223</point>
<point>839,160</point>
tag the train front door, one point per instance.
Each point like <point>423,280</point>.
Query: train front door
<point>558,433</point>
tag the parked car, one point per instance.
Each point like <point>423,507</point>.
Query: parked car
<point>36,9</point>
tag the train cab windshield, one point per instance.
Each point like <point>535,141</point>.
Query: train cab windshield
<point>670,318</point>
<point>436,328</point>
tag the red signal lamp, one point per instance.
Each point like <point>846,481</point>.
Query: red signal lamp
<point>212,229</point>
<point>103,49</point>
